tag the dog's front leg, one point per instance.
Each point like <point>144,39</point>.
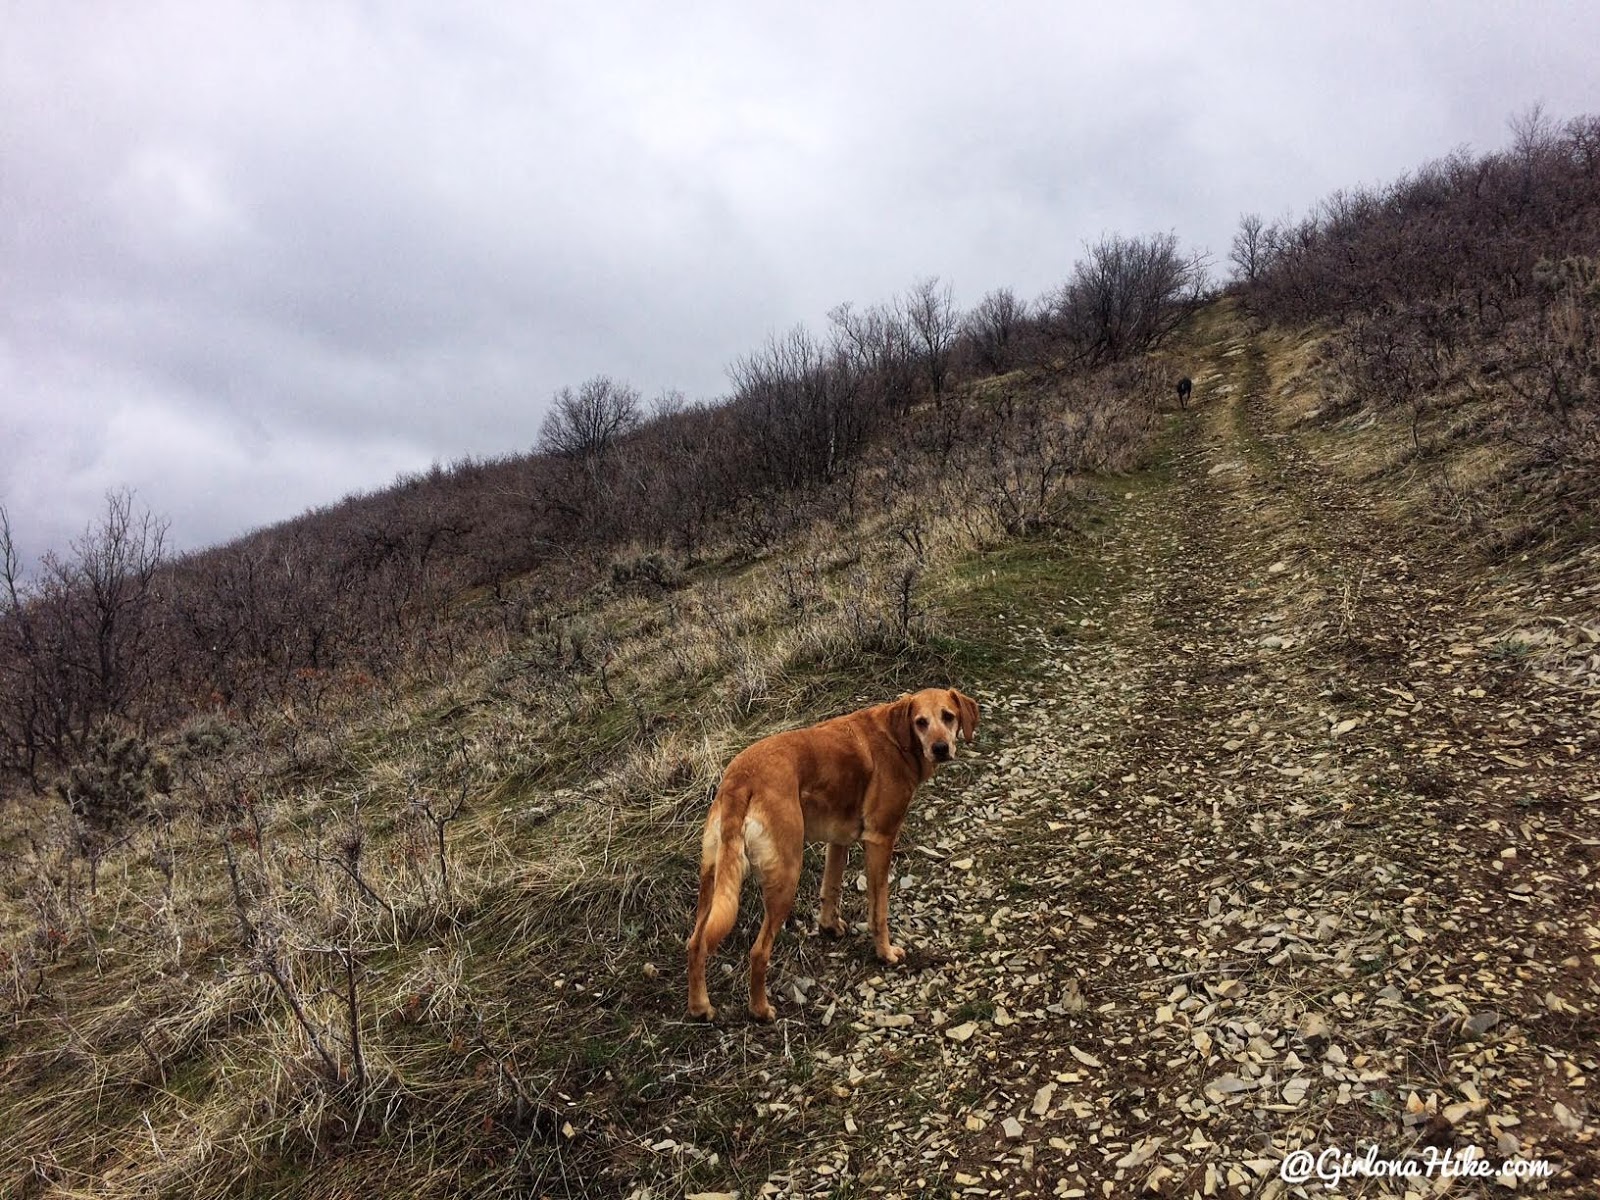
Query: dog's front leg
<point>832,887</point>
<point>878,853</point>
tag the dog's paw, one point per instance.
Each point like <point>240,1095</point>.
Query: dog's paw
<point>708,1013</point>
<point>838,929</point>
<point>763,1011</point>
<point>893,954</point>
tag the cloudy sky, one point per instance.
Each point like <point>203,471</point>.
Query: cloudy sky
<point>256,256</point>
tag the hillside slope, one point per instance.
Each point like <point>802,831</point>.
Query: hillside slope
<point>1279,833</point>
<point>1289,845</point>
<point>1286,842</point>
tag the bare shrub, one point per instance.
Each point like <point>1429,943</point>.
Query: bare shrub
<point>1125,296</point>
<point>802,404</point>
<point>931,313</point>
<point>585,425</point>
<point>77,644</point>
<point>995,330</point>
<point>1248,253</point>
<point>650,573</point>
<point>1031,442</point>
<point>1399,358</point>
<point>1562,380</point>
<point>877,342</point>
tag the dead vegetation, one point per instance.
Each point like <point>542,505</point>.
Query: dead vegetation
<point>1279,835</point>
<point>429,927</point>
<point>1461,306</point>
<point>1258,853</point>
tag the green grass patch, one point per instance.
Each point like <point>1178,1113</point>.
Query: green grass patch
<point>1031,581</point>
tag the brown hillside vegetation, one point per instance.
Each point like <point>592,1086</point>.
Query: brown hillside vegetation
<point>423,577</point>
<point>372,934</point>
<point>1466,299</point>
<point>1278,836</point>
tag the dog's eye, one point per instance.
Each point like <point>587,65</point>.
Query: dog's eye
<point>948,717</point>
<point>922,722</point>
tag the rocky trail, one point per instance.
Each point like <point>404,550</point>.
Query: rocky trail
<point>1287,848</point>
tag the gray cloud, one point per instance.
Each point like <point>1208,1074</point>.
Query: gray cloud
<point>257,256</point>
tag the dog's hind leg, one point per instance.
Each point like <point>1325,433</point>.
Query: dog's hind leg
<point>780,877</point>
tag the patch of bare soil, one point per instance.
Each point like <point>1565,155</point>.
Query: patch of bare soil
<point>1292,850</point>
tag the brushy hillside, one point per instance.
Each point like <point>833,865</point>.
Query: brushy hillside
<point>365,869</point>
<point>408,580</point>
<point>425,933</point>
<point>1463,300</point>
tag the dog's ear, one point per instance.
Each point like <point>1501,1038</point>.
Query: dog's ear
<point>900,718</point>
<point>967,713</point>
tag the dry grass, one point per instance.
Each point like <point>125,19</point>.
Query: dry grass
<point>1471,455</point>
<point>425,935</point>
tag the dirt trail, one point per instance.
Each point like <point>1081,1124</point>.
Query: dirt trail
<point>1292,850</point>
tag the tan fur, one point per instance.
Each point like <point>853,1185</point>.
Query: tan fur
<point>847,780</point>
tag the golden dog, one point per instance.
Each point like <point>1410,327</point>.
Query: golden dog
<point>847,780</point>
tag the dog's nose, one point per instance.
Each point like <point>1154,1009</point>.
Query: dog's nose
<point>941,750</point>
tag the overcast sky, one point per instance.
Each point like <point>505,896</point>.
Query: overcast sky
<point>254,257</point>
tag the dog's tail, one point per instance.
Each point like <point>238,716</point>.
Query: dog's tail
<point>725,854</point>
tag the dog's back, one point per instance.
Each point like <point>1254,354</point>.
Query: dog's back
<point>832,756</point>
